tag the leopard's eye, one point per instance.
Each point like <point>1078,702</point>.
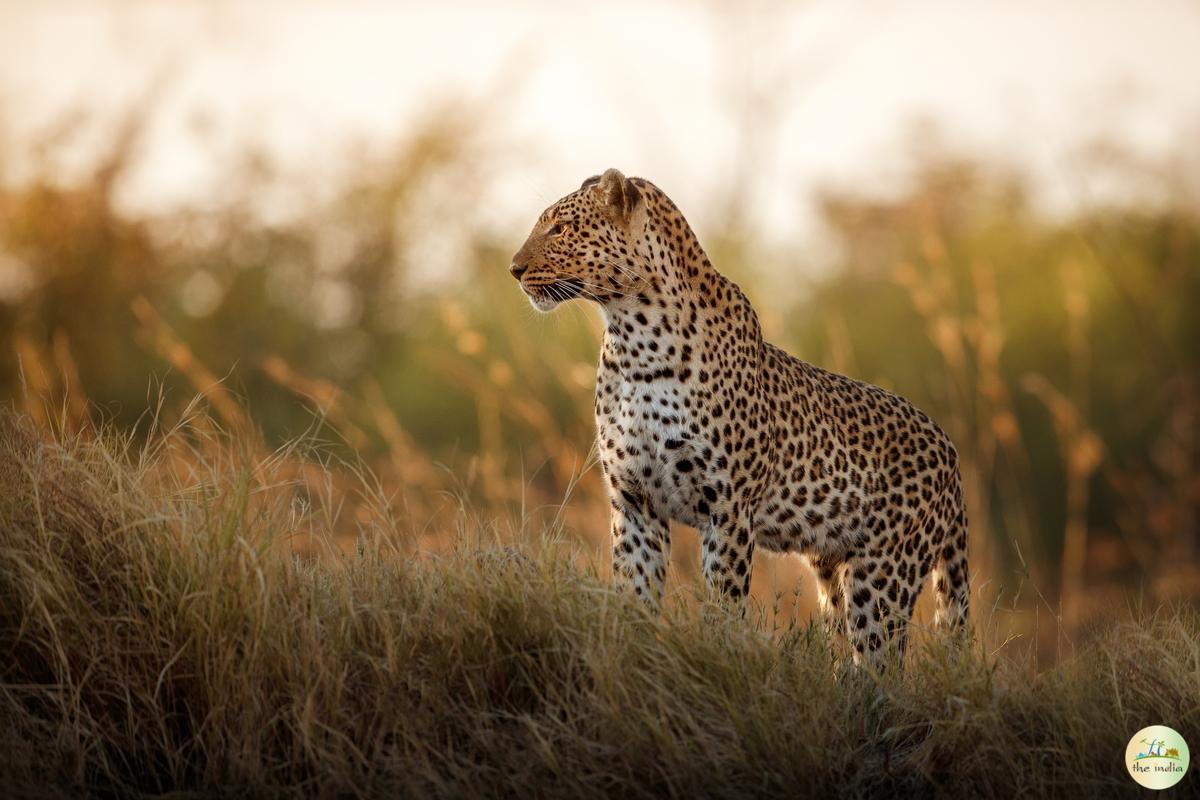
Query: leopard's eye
<point>554,230</point>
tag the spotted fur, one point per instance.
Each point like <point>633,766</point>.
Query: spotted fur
<point>701,421</point>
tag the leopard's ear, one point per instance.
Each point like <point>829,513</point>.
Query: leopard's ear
<point>619,193</point>
<point>592,181</point>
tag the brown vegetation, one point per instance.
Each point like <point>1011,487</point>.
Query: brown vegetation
<point>163,635</point>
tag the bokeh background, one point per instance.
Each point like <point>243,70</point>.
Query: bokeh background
<point>303,212</point>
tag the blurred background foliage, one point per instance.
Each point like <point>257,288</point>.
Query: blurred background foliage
<point>1062,352</point>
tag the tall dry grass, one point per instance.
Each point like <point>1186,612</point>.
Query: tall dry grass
<point>164,634</point>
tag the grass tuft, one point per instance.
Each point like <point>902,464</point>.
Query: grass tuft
<point>161,634</point>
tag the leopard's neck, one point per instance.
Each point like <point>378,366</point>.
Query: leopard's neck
<point>684,307</point>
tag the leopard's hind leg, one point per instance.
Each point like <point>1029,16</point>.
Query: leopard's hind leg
<point>951,577</point>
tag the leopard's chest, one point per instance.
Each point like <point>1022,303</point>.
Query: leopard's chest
<point>650,439</point>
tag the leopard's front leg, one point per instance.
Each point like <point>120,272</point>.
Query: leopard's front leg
<point>641,545</point>
<point>728,554</point>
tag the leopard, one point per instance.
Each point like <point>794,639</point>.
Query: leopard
<point>701,422</point>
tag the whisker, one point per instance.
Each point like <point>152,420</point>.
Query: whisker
<point>598,287</point>
<point>638,281</point>
<point>560,286</point>
<point>624,270</point>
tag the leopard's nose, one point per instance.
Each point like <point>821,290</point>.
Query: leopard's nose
<point>517,270</point>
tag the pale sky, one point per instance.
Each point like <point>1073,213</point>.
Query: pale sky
<point>659,89</point>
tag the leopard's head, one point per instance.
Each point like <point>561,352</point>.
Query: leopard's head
<point>585,244</point>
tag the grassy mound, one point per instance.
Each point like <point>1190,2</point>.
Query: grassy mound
<point>159,635</point>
